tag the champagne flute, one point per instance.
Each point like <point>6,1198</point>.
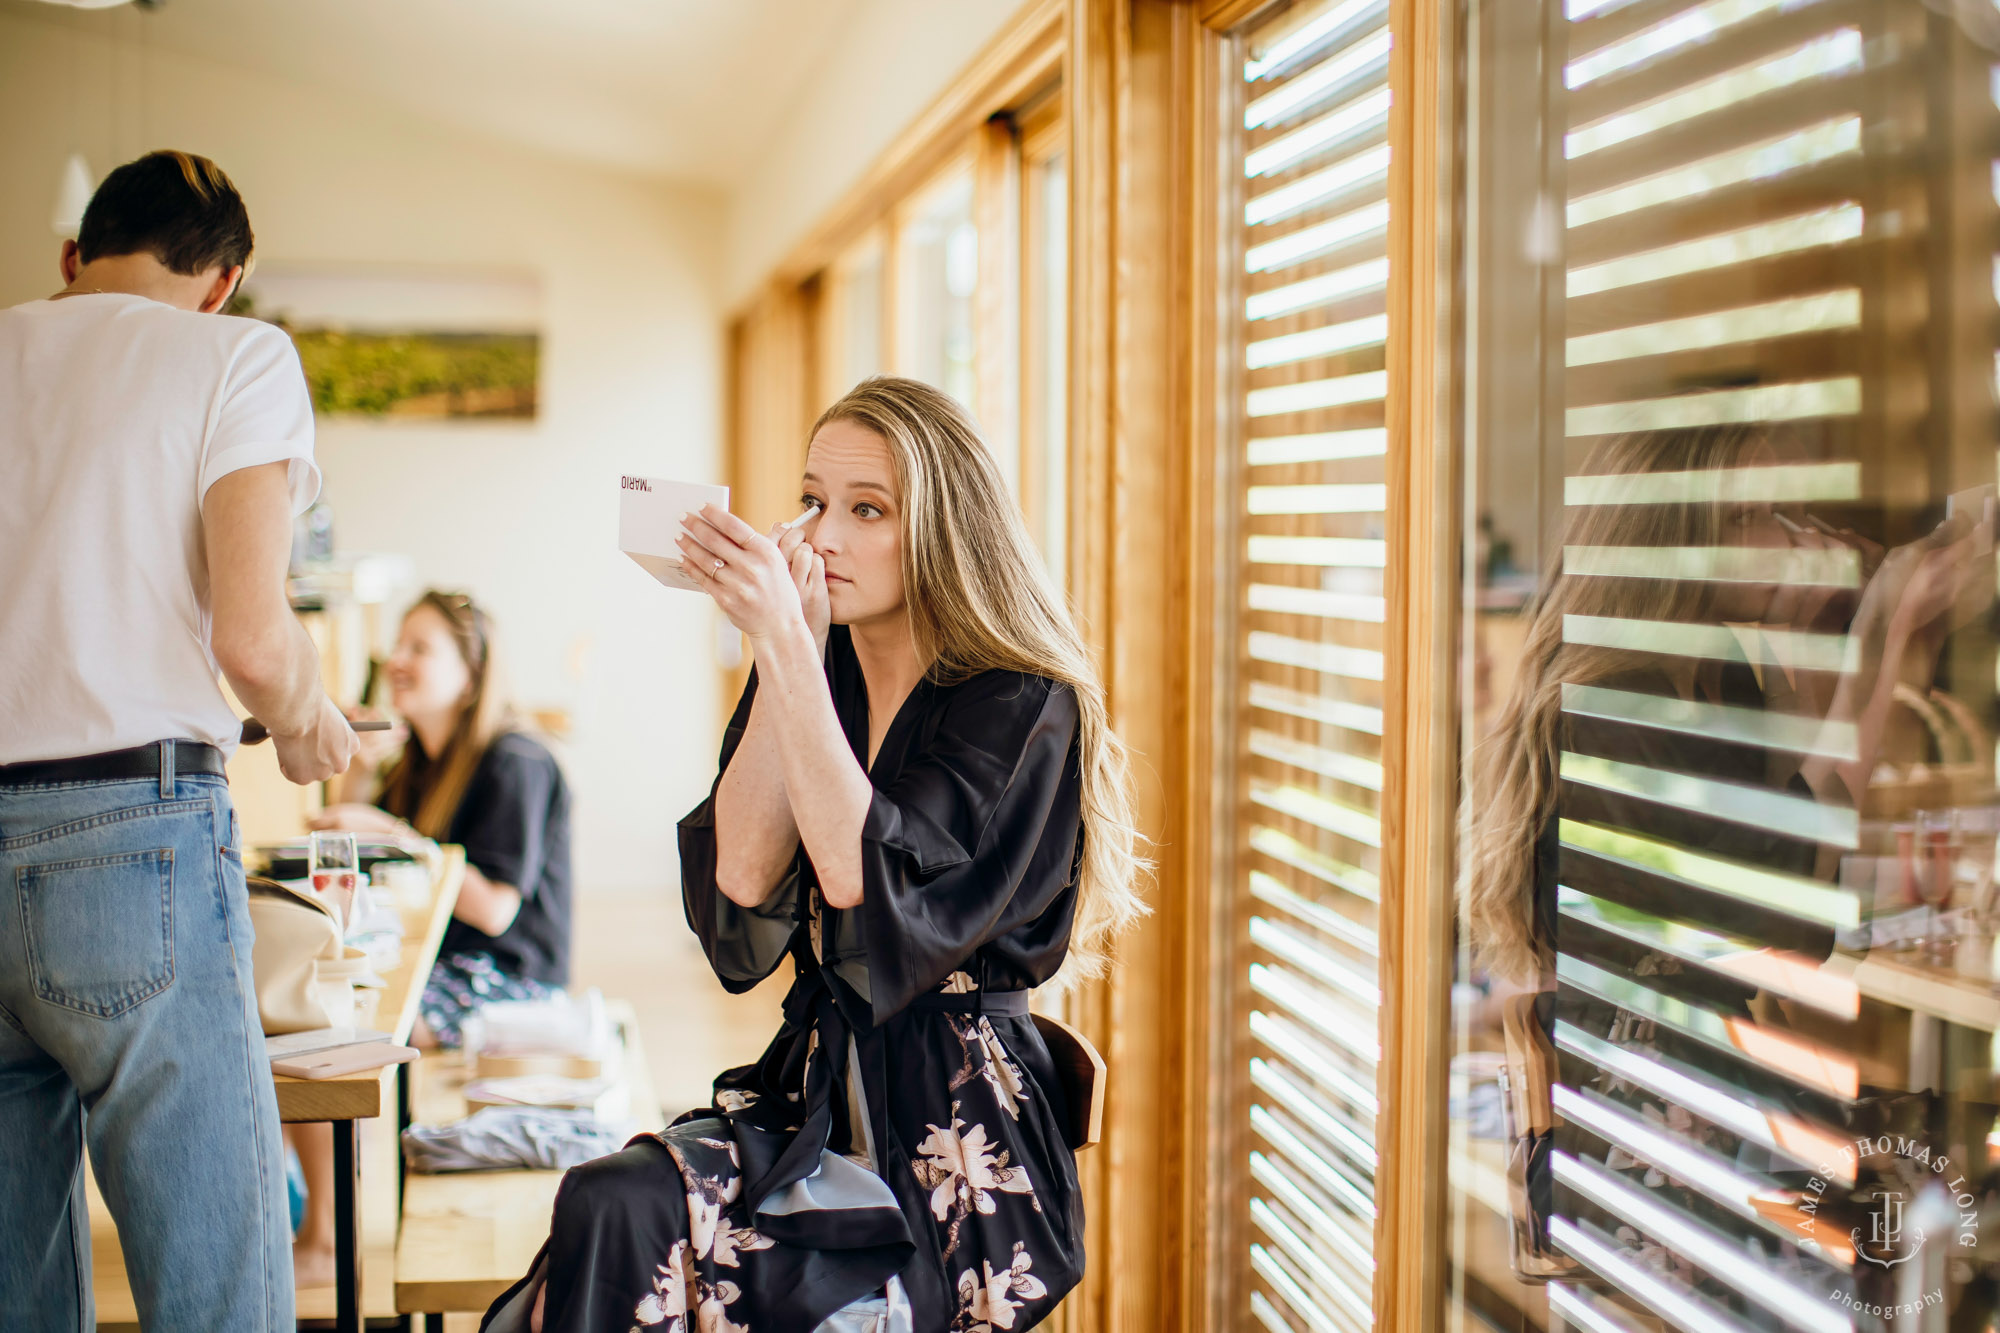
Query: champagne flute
<point>1938,863</point>
<point>336,872</point>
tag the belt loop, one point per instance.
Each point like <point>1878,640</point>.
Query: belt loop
<point>166,770</point>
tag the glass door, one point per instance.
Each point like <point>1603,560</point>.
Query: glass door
<point>1725,1015</point>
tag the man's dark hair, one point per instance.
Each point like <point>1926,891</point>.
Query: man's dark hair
<point>177,207</point>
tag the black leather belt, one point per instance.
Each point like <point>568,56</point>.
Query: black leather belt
<point>1000,1003</point>
<point>141,761</point>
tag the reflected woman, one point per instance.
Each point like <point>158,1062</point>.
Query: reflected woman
<point>1677,719</point>
<point>1694,496</point>
<point>922,806</point>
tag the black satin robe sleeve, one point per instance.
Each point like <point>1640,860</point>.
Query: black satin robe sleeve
<point>974,839</point>
<point>744,944</point>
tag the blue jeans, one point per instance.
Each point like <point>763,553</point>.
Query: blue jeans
<point>128,1025</point>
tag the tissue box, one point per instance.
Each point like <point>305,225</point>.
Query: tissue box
<point>649,523</point>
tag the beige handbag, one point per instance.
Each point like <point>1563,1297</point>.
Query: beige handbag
<point>304,977</point>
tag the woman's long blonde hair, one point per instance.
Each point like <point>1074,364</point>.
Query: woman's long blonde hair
<point>980,599</point>
<point>432,803</point>
<point>1515,783</point>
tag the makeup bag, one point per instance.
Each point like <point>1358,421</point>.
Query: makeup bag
<point>305,972</point>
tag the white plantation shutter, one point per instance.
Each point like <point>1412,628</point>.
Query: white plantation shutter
<point>1307,712</point>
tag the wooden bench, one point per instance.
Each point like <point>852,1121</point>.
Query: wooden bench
<point>467,1236</point>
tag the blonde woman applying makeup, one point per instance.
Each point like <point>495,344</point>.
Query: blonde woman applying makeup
<point>921,804</point>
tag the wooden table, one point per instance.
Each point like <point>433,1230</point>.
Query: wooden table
<point>1960,991</point>
<point>342,1102</point>
<point>469,1235</point>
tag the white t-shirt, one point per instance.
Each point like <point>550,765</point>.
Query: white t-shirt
<point>117,413</point>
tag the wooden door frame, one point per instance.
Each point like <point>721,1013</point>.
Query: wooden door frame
<point>1421,791</point>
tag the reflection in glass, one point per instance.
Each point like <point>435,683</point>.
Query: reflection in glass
<point>1725,1013</point>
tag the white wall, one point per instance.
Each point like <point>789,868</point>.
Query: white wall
<point>886,64</point>
<point>523,516</point>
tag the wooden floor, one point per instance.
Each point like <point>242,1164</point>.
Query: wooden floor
<point>637,947</point>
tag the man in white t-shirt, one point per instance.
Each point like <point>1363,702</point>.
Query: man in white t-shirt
<point>153,454</point>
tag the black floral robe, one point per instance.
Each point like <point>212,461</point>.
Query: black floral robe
<point>895,1163</point>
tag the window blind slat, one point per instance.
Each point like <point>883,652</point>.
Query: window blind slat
<point>1771,1123</point>
<point>1791,1303</point>
<point>1322,1012</point>
<point>1796,120</point>
<point>1336,764</point>
<point>1751,1198</point>
<point>1352,1253</point>
<point>1797,1058</point>
<point>1314,1060</point>
<point>1310,1261</point>
<point>1310,861</point>
<point>1799,253</point>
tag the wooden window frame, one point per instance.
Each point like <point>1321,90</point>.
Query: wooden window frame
<point>968,163</point>
<point>1425,520</point>
<point>1042,135</point>
<point>830,334</point>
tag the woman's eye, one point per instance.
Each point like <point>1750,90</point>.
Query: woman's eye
<point>867,510</point>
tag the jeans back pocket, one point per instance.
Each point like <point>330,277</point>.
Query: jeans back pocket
<point>100,930</point>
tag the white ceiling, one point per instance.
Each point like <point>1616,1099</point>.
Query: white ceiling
<point>687,89</point>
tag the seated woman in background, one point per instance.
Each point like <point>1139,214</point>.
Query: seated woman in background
<point>922,805</point>
<point>463,775</point>
<point>467,775</point>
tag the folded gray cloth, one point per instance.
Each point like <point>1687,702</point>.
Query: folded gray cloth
<point>510,1137</point>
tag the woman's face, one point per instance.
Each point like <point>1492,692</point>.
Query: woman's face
<point>427,675</point>
<point>859,531</point>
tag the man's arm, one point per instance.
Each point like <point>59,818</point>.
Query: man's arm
<point>265,653</point>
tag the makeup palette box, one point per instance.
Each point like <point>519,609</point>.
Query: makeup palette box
<point>649,523</point>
